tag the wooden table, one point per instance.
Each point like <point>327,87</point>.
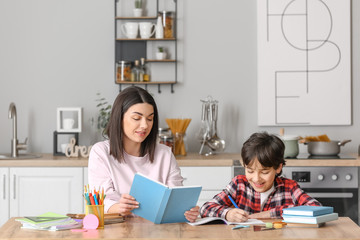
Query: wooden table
<point>139,228</point>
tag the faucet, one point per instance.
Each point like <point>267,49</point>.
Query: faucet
<point>15,146</point>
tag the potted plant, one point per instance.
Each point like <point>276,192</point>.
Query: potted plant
<point>104,113</point>
<point>160,54</point>
<point>138,8</point>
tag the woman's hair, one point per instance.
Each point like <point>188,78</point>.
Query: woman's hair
<point>268,149</point>
<point>125,99</point>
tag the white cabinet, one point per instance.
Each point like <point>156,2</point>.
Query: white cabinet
<point>4,197</point>
<point>31,191</point>
<point>212,179</point>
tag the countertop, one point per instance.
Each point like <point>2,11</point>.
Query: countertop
<point>139,228</point>
<point>192,159</point>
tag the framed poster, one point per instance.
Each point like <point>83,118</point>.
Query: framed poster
<point>304,62</point>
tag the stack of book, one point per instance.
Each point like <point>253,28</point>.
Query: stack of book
<point>308,216</point>
<point>49,221</point>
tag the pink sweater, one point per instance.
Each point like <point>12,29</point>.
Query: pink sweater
<point>116,178</point>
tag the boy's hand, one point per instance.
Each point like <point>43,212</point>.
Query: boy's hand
<point>237,215</point>
<point>192,214</point>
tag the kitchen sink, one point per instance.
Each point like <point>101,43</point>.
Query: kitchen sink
<point>20,156</point>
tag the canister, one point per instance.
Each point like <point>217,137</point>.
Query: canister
<point>123,71</point>
<point>168,23</point>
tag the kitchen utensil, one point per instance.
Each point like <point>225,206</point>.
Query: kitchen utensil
<point>215,143</point>
<point>291,145</point>
<point>325,148</point>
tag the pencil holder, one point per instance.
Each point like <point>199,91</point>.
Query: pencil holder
<point>97,210</point>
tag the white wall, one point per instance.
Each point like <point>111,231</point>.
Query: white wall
<point>60,53</point>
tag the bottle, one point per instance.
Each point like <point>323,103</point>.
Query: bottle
<point>159,33</point>
<point>145,71</point>
<point>136,72</point>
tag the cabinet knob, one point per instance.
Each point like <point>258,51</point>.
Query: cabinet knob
<point>334,177</point>
<point>320,177</point>
<point>348,177</point>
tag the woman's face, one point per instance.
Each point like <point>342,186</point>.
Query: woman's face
<point>138,122</point>
<point>261,178</point>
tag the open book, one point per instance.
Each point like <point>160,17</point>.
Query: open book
<point>217,220</point>
<point>162,204</point>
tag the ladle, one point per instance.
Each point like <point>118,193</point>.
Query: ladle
<point>215,143</point>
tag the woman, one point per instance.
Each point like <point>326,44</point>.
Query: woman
<point>132,147</point>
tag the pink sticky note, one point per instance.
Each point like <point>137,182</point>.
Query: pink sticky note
<point>90,221</point>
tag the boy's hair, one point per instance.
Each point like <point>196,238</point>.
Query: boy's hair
<point>268,149</point>
<point>128,97</point>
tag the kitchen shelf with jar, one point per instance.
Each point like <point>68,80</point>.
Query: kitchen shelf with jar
<point>129,49</point>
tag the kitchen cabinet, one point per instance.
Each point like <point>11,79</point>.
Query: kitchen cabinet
<point>212,179</point>
<point>126,49</point>
<point>30,191</point>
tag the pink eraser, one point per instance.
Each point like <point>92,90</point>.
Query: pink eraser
<point>90,221</point>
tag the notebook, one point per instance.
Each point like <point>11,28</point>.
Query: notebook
<point>162,204</point>
<point>308,210</point>
<point>217,220</point>
<point>312,220</point>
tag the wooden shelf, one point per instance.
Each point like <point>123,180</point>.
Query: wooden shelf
<point>136,18</point>
<point>146,83</point>
<point>145,39</point>
<point>164,60</point>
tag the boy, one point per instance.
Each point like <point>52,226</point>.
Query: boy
<point>261,193</point>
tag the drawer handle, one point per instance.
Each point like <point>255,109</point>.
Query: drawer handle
<point>14,186</point>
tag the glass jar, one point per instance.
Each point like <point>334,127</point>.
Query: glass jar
<point>165,137</point>
<point>168,23</point>
<point>123,71</point>
<point>168,141</point>
<point>180,144</point>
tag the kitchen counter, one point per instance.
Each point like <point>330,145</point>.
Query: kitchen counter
<point>192,159</point>
<point>139,228</point>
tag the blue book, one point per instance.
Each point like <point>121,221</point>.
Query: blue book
<point>162,204</point>
<point>312,220</point>
<point>308,210</point>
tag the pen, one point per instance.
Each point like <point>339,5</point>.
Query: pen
<point>233,202</point>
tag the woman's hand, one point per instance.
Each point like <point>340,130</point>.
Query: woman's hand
<point>192,214</point>
<point>237,215</point>
<point>125,205</point>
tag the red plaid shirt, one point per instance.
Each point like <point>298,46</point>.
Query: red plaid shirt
<point>287,193</point>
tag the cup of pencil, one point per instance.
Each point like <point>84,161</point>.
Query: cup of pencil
<point>178,128</point>
<point>95,204</point>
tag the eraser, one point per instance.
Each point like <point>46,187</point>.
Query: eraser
<point>91,221</point>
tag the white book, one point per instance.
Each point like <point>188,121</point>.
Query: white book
<point>215,220</point>
<point>312,220</point>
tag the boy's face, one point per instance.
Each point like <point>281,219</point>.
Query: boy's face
<point>261,178</point>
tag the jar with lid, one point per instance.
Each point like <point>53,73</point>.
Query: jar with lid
<point>165,137</point>
<point>168,23</point>
<point>123,71</point>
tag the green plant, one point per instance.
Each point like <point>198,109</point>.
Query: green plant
<point>138,3</point>
<point>104,111</point>
<point>161,49</point>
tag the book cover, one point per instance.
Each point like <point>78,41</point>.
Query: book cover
<point>305,225</point>
<point>161,204</point>
<point>312,220</point>
<point>308,210</point>
<point>219,220</point>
